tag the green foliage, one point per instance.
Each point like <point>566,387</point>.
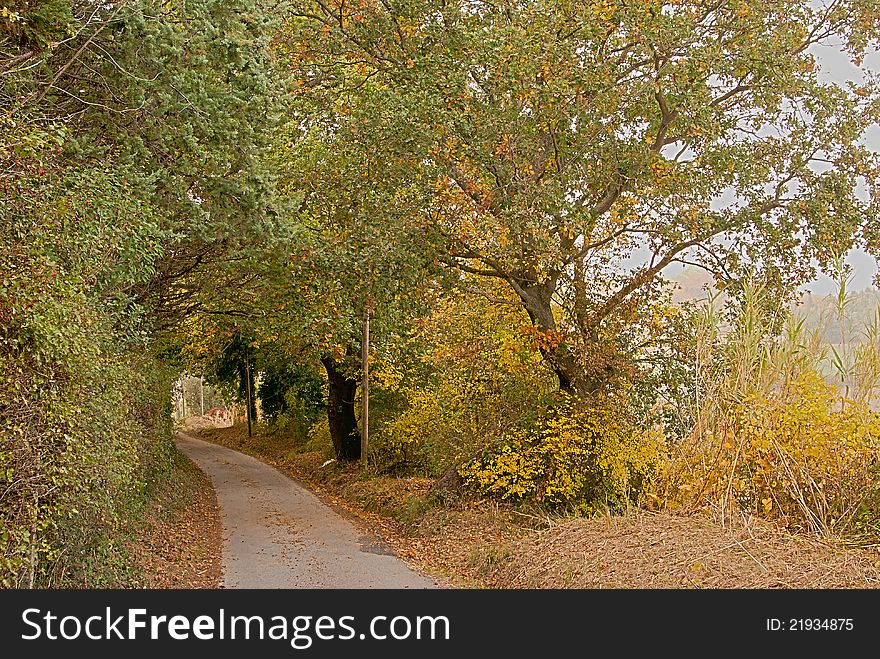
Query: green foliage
<point>179,100</point>
<point>291,396</point>
<point>587,458</point>
<point>131,138</point>
<point>37,24</point>
<point>83,408</point>
<point>559,143</point>
<point>234,367</point>
<point>477,177</point>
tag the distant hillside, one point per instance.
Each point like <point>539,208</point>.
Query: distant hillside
<point>822,312</point>
<point>819,311</point>
<point>691,284</point>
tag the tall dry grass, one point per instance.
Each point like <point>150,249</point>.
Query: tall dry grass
<point>781,423</point>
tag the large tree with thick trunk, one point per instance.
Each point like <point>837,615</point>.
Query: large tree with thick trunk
<point>341,417</point>
<point>576,150</point>
<point>361,245</point>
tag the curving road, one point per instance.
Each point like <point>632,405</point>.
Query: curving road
<point>278,534</point>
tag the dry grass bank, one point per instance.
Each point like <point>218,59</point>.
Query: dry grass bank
<point>179,543</point>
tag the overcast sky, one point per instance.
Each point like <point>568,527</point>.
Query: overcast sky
<point>837,67</point>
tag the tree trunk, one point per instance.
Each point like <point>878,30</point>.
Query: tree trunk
<point>340,412</point>
<point>572,376</point>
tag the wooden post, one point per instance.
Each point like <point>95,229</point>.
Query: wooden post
<point>247,378</point>
<point>365,387</point>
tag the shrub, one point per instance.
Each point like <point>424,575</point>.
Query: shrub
<point>802,455</point>
<point>83,406</point>
<point>471,376</point>
<point>290,396</point>
<point>586,458</point>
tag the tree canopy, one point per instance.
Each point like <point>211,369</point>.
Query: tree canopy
<point>575,150</point>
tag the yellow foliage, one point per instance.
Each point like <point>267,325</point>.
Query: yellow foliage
<point>585,458</point>
<point>800,454</point>
<point>477,376</point>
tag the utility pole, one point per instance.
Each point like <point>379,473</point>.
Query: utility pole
<point>202,396</point>
<point>365,386</point>
<point>247,377</point>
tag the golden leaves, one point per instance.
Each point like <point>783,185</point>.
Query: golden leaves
<point>797,454</point>
<point>604,10</point>
<point>547,340</point>
<point>503,147</point>
<point>578,457</point>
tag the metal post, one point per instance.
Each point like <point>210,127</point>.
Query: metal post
<point>247,371</point>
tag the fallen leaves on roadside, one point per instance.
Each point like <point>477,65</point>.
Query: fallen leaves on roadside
<point>180,543</point>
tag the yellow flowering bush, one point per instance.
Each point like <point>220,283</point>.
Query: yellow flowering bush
<point>585,458</point>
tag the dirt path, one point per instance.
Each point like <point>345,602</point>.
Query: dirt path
<point>277,534</point>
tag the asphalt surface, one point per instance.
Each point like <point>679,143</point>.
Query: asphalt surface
<point>278,534</point>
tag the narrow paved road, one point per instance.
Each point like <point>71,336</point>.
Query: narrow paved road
<point>277,534</point>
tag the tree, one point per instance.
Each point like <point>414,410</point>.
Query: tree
<point>575,150</point>
<point>359,246</point>
<point>131,141</point>
<point>181,99</point>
